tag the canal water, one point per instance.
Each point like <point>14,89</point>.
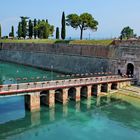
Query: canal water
<point>87,120</point>
<point>13,73</point>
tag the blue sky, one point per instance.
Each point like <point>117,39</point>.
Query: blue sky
<point>112,15</point>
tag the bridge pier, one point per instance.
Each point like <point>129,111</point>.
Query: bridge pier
<point>109,87</point>
<point>51,98</point>
<point>77,94</point>
<point>89,92</point>
<point>32,101</point>
<point>128,83</point>
<point>62,96</point>
<point>99,89</point>
<point>65,96</point>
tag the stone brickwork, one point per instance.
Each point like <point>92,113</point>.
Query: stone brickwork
<point>76,58</point>
<point>125,53</point>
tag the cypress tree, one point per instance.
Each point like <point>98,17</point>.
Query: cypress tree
<point>35,31</point>
<point>63,29</point>
<point>12,31</point>
<point>24,26</point>
<point>0,30</point>
<point>38,32</point>
<point>30,29</point>
<point>57,33</point>
<point>19,32</point>
<point>46,20</point>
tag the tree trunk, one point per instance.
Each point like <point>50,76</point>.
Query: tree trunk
<point>81,35</point>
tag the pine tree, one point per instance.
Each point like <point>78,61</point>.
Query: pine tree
<point>35,31</point>
<point>30,29</point>
<point>19,32</point>
<point>57,33</point>
<point>0,30</point>
<point>63,29</point>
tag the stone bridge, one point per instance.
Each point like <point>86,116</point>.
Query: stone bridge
<point>47,92</point>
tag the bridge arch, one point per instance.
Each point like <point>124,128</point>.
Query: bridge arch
<point>58,95</point>
<point>72,93</point>
<point>130,69</point>
<point>114,86</point>
<point>94,90</point>
<point>44,97</point>
<point>104,87</point>
<point>84,91</point>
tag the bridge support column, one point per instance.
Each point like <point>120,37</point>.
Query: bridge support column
<point>32,102</point>
<point>77,94</point>
<point>109,87</point>
<point>99,89</point>
<point>89,92</point>
<point>51,98</point>
<point>128,83</point>
<point>65,96</point>
<point>120,85</point>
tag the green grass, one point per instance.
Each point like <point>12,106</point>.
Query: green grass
<point>51,41</point>
<point>92,42</point>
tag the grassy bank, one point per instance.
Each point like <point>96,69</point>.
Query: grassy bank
<point>49,41</point>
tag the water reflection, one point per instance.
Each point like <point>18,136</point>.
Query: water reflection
<point>75,114</point>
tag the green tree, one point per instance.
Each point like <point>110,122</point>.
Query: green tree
<point>63,29</point>
<point>11,34</point>
<point>0,30</point>
<point>19,32</point>
<point>127,33</point>
<point>35,31</point>
<point>24,26</point>
<point>84,21</point>
<point>38,31</point>
<point>57,33</point>
<point>30,29</point>
<point>45,29</point>
<point>12,31</point>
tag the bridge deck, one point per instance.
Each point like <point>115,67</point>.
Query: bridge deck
<point>14,89</point>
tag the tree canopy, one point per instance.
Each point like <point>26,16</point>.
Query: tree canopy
<point>45,29</point>
<point>127,33</point>
<point>84,21</point>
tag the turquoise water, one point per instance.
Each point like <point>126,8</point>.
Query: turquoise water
<point>14,73</point>
<point>114,120</point>
<point>77,121</point>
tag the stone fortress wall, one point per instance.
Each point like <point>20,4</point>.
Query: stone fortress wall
<point>126,57</point>
<point>119,57</point>
<point>60,57</point>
